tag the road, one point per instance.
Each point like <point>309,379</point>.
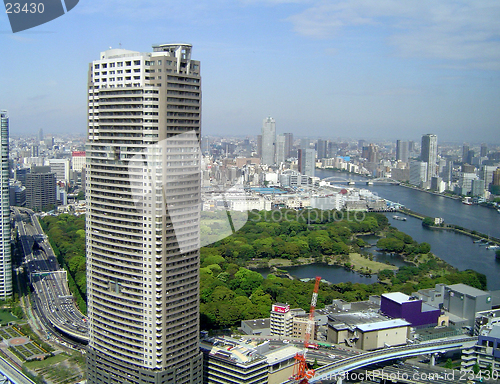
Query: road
<point>52,300</point>
<point>13,374</point>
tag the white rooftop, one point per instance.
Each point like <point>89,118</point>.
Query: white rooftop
<point>398,297</point>
<point>367,327</point>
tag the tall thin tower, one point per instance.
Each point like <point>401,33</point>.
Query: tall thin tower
<point>428,153</point>
<point>5,250</point>
<point>269,141</point>
<point>143,212</point>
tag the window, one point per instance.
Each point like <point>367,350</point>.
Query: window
<point>104,65</point>
<point>111,65</point>
<point>96,66</point>
<point>152,63</point>
<point>119,64</point>
<point>137,62</point>
<point>119,71</point>
<point>137,70</point>
<point>111,72</point>
<point>159,62</point>
<point>128,63</point>
<point>120,78</point>
<point>159,69</point>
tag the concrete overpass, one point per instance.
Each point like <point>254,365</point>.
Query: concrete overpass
<point>337,370</point>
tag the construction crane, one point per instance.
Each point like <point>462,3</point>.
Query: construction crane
<point>301,373</point>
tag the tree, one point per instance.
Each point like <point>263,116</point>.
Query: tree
<point>449,364</point>
<point>476,368</point>
<point>428,222</point>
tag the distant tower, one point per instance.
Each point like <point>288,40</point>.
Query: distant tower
<point>428,153</point>
<point>40,135</point>
<point>269,141</point>
<point>484,150</point>
<point>465,152</point>
<point>5,251</point>
<point>402,151</point>
<point>288,144</point>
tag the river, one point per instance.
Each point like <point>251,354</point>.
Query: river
<point>456,249</point>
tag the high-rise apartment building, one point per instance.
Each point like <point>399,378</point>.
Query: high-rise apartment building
<point>402,151</point>
<point>269,141</point>
<point>428,153</point>
<point>143,212</point>
<point>5,250</point>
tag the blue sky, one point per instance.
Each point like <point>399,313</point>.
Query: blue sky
<point>360,69</point>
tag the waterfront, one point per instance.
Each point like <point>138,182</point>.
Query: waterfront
<point>473,217</point>
<point>454,248</point>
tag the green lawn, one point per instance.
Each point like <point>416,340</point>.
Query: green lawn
<point>6,316</point>
<point>37,364</point>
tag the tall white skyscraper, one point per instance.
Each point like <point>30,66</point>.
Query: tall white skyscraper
<point>428,153</point>
<point>5,250</point>
<point>269,141</point>
<point>143,212</point>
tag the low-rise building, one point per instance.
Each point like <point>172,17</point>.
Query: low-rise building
<point>258,327</point>
<point>397,305</point>
<point>485,353</point>
<point>464,301</point>
<point>229,361</point>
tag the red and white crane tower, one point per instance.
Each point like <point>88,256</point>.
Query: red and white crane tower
<point>301,373</point>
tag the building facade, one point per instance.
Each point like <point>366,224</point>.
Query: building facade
<point>429,151</point>
<point>402,153</point>
<point>269,141</point>
<point>41,189</point>
<point>5,249</point>
<point>143,212</point>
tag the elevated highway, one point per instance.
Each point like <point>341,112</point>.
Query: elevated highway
<point>52,300</point>
<point>338,369</point>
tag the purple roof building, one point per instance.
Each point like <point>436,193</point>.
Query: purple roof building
<point>401,306</point>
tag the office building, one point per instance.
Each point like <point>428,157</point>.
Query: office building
<point>78,160</point>
<point>428,154</point>
<point>402,152</point>
<point>484,150</point>
<point>465,152</point>
<point>5,250</point>
<point>143,212</point>
<point>40,136</point>
<point>41,189</point>
<point>418,173</point>
<point>269,141</point>
<point>61,168</point>
<point>322,148</point>
<point>288,145</point>
<point>307,161</point>
<point>280,149</point>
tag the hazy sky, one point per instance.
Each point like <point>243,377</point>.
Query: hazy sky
<point>360,68</point>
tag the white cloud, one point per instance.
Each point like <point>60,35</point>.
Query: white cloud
<point>466,31</point>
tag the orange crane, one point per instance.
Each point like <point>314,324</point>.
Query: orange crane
<point>301,373</point>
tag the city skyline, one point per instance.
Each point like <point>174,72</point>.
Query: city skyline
<point>319,68</point>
